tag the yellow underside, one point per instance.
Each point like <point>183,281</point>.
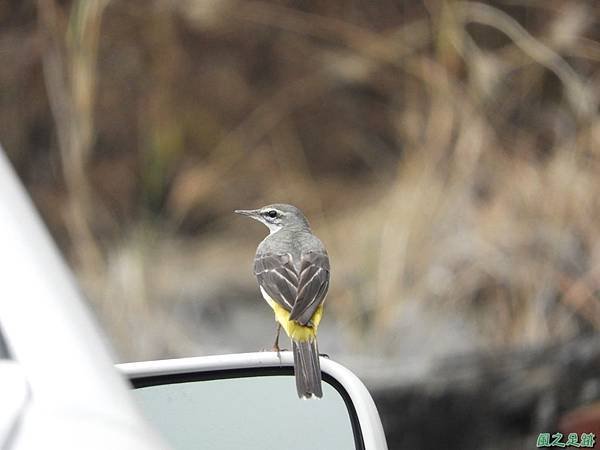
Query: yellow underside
<point>293,329</point>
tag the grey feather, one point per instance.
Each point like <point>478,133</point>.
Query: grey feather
<point>312,286</point>
<point>292,267</point>
<point>307,369</point>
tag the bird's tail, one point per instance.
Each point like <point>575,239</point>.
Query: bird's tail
<point>307,368</point>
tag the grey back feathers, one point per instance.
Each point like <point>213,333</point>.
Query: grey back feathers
<point>300,287</point>
<point>292,266</point>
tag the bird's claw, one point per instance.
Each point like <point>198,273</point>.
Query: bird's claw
<point>274,349</point>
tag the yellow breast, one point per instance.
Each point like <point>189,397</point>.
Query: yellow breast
<point>293,329</point>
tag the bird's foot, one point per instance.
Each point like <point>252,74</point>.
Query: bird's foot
<point>274,349</point>
<point>324,355</point>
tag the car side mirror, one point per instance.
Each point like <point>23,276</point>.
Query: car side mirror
<point>249,401</point>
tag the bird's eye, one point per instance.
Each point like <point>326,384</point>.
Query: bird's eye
<point>272,213</point>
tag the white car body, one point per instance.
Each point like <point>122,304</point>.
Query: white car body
<point>59,389</point>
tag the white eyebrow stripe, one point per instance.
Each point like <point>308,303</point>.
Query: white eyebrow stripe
<point>263,211</point>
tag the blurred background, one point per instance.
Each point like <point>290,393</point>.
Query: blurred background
<point>446,152</point>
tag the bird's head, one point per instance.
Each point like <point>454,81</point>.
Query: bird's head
<point>277,216</point>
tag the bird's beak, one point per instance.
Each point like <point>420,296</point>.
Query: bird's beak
<point>248,212</point>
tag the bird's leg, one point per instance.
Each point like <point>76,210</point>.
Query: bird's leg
<point>276,343</point>
<point>275,347</point>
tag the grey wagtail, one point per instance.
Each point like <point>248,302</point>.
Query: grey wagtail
<point>292,268</point>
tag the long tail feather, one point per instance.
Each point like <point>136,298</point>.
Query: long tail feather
<point>307,368</point>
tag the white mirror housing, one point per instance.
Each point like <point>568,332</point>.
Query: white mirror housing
<point>366,423</point>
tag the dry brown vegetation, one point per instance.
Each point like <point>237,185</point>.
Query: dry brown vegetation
<point>447,152</point>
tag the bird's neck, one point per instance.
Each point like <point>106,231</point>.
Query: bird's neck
<point>291,229</point>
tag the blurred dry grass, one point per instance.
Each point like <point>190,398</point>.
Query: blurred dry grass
<point>447,152</point>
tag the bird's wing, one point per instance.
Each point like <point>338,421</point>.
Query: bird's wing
<point>313,282</point>
<point>277,276</point>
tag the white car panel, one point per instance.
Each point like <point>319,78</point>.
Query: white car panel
<point>59,348</point>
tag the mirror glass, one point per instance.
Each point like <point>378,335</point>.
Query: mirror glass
<point>250,413</point>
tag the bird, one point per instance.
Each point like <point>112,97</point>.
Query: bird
<point>292,269</point>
